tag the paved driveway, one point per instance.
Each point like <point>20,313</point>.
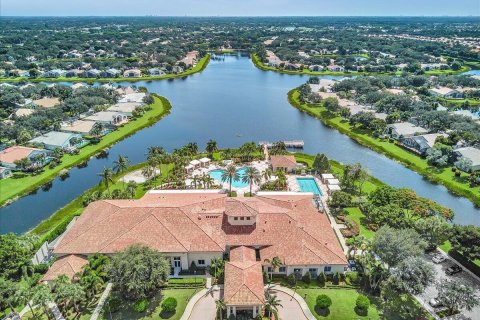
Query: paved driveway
<point>431,291</point>
<point>291,309</point>
<point>205,308</point>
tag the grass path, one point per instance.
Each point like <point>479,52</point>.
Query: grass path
<point>201,65</point>
<point>22,184</point>
<point>457,185</point>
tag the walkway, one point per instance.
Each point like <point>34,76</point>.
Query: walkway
<point>205,307</point>
<point>294,308</point>
<point>101,302</point>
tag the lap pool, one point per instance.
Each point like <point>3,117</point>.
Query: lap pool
<point>308,185</point>
<point>217,176</point>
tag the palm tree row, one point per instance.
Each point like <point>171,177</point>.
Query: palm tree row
<point>204,180</point>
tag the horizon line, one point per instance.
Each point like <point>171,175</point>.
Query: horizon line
<point>241,16</point>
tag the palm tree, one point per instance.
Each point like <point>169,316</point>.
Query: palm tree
<point>207,180</point>
<point>23,296</point>
<point>251,176</point>
<point>156,151</point>
<point>107,177</point>
<point>76,295</point>
<point>217,264</point>
<point>97,130</point>
<point>355,244</point>
<point>153,163</point>
<point>120,165</point>
<point>271,304</point>
<point>211,147</point>
<point>42,295</point>
<point>274,263</point>
<point>147,172</point>
<point>230,174</point>
<point>220,304</point>
<point>92,283</point>
<point>267,174</point>
<point>195,180</point>
<point>131,188</point>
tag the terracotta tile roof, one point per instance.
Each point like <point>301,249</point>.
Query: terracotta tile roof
<point>66,265</point>
<point>283,161</point>
<point>47,102</point>
<point>11,154</point>
<point>80,126</point>
<point>286,225</point>
<point>243,278</point>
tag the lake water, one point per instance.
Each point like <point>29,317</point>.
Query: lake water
<point>231,102</point>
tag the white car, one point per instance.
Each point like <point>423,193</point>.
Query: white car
<point>435,303</point>
<point>438,258</point>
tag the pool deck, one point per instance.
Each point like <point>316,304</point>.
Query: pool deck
<point>293,185</point>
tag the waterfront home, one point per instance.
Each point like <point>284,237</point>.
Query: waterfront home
<point>5,173</point>
<point>177,69</point>
<point>27,103</point>
<point>190,59</point>
<point>132,73</point>
<point>74,73</point>
<point>74,54</point>
<point>81,127</point>
<point>46,102</point>
<point>126,108</point>
<point>22,112</point>
<point>285,163</point>
<point>336,68</point>
<point>108,118</point>
<point>315,67</point>
<point>133,97</point>
<point>78,85</point>
<point>467,113</point>
<point>15,153</point>
<point>421,143</point>
<point>196,226</point>
<point>156,72</point>
<point>55,139</point>
<point>55,73</point>
<point>110,73</point>
<point>470,153</point>
<point>445,92</point>
<point>404,129</point>
<point>125,90</point>
<point>92,73</point>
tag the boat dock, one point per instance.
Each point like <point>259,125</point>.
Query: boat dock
<point>297,144</point>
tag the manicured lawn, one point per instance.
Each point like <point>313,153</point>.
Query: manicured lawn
<point>154,311</point>
<point>22,184</point>
<point>358,217</point>
<point>343,306</point>
<point>445,176</point>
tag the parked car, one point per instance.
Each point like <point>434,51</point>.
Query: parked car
<point>435,303</point>
<point>438,258</point>
<point>453,269</point>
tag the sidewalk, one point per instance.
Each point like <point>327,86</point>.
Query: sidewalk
<point>301,302</point>
<point>101,302</point>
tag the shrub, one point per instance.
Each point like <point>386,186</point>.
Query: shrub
<point>363,302</point>
<point>41,268</point>
<point>321,279</point>
<point>169,304</point>
<point>232,317</point>
<point>291,279</point>
<point>454,169</point>
<point>266,279</point>
<point>336,278</point>
<point>457,173</point>
<point>141,305</point>
<point>352,278</point>
<point>307,277</point>
<point>113,304</point>
<point>323,301</point>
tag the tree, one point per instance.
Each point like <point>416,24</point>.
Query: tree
<point>362,303</point>
<point>456,295</point>
<point>267,174</point>
<point>331,104</point>
<point>139,271</point>
<point>434,230</point>
<point>466,241</point>
<point>394,246</point>
<point>220,306</point>
<point>15,252</point>
<point>23,164</point>
<point>217,265</point>
<point>97,130</point>
<point>42,296</point>
<point>24,296</point>
<point>7,294</point>
<point>411,275</point>
<point>230,174</point>
<point>131,188</point>
<point>274,263</point>
<point>251,176</point>
<point>340,199</point>
<point>271,304</point>
<point>120,165</point>
<point>211,147</point>
<point>321,164</point>
<point>345,113</point>
<point>464,164</point>
<point>107,177</point>
<point>323,301</point>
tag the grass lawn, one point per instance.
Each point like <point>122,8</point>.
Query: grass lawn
<point>457,185</point>
<point>343,306</point>
<point>21,184</point>
<point>154,312</point>
<point>201,65</point>
<point>358,217</point>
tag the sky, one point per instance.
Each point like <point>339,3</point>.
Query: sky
<point>240,7</point>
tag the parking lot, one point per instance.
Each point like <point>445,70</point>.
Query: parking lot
<point>431,291</point>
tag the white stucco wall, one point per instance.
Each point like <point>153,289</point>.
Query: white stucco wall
<point>207,256</point>
<point>239,222</point>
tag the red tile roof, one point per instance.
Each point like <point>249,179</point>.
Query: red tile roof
<point>283,161</point>
<point>287,226</point>
<point>11,154</point>
<point>243,278</point>
<point>66,265</point>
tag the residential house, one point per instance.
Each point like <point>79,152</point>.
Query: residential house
<point>12,154</point>
<point>22,112</point>
<point>46,102</point>
<point>336,68</point>
<point>27,104</point>
<point>470,153</point>
<point>285,163</point>
<point>108,118</point>
<point>74,73</point>
<point>133,97</point>
<point>198,226</point>
<point>5,173</point>
<point>81,127</point>
<point>446,93</point>
<point>405,129</point>
<point>190,59</point>
<point>315,67</point>
<point>55,73</point>
<point>177,69</point>
<point>110,73</point>
<point>420,144</point>
<point>55,139</point>
<point>156,72</point>
<point>92,73</point>
<point>74,54</point>
<point>132,73</point>
<point>125,108</point>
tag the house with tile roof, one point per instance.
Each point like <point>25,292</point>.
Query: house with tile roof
<point>196,226</point>
<point>12,154</point>
<point>285,163</point>
<point>56,139</point>
<point>402,130</point>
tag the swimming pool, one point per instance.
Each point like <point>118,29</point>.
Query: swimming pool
<point>309,185</point>
<point>217,175</point>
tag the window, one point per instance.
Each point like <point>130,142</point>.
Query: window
<point>282,269</point>
<point>299,271</point>
<point>242,218</point>
<point>236,218</point>
<point>269,269</point>
<point>248,218</point>
<point>327,269</point>
<point>312,270</point>
<point>201,262</point>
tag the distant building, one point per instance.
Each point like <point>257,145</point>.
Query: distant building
<point>108,118</point>
<point>12,154</point>
<point>156,72</point>
<point>470,153</point>
<point>132,73</point>
<point>404,130</point>
<point>79,126</point>
<point>420,144</point>
<point>336,68</point>
<point>55,139</point>
<point>177,69</point>
<point>283,163</point>
<point>445,92</point>
<point>92,73</point>
<point>5,173</point>
<point>46,102</point>
<point>110,73</point>
<point>126,108</point>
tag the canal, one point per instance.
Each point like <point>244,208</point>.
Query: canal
<point>231,102</point>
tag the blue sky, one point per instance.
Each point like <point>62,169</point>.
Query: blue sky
<point>240,7</point>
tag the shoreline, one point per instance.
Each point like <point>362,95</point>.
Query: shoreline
<point>260,65</point>
<point>201,65</point>
<point>160,108</point>
<point>463,191</point>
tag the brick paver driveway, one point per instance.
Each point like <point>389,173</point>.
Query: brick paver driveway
<point>291,309</point>
<point>205,308</point>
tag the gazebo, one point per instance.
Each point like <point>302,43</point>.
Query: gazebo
<point>195,163</point>
<point>205,162</point>
<point>333,188</point>
<point>189,168</point>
